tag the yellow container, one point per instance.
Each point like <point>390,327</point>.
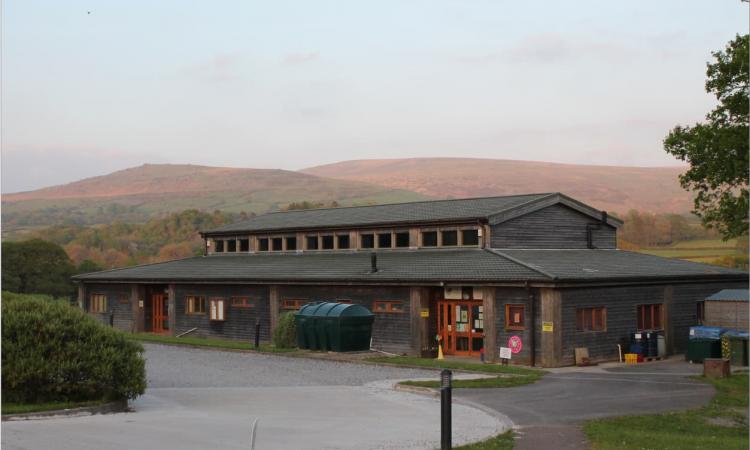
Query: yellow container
<point>631,358</point>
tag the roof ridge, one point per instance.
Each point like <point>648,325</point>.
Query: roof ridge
<point>115,269</point>
<point>518,261</point>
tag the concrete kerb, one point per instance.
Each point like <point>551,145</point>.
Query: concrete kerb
<point>106,408</point>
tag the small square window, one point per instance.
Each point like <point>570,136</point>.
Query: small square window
<point>429,239</point>
<point>277,244</point>
<point>367,240</point>
<point>591,319</point>
<point>98,303</point>
<point>232,245</point>
<point>384,240</point>
<point>291,243</point>
<point>243,302</point>
<point>219,245</point>
<point>470,237</point>
<point>402,239</point>
<point>244,245</point>
<point>343,241</point>
<point>515,317</point>
<point>312,242</point>
<point>450,238</point>
<point>263,244</point>
<point>292,304</point>
<point>388,307</point>
<point>327,242</point>
<point>195,304</point>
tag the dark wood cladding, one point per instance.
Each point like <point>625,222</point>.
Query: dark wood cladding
<point>239,323</point>
<point>555,226</point>
<point>119,307</point>
<point>391,331</point>
<point>621,303</point>
<point>515,296</point>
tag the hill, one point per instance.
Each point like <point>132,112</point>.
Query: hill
<point>138,194</point>
<point>612,188</point>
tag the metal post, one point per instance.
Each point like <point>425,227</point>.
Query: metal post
<point>257,333</point>
<point>445,409</point>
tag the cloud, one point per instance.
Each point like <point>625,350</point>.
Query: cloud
<point>219,68</point>
<point>300,58</point>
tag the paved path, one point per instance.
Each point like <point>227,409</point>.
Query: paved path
<point>201,399</point>
<point>552,410</point>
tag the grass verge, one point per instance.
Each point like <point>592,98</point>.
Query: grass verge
<point>500,442</point>
<point>208,342</point>
<point>493,382</point>
<point>721,424</point>
<point>22,408</point>
<point>408,361</point>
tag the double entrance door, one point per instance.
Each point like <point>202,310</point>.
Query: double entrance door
<point>159,313</point>
<point>461,327</point>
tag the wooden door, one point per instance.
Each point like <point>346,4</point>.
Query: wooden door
<point>159,316</point>
<point>461,327</point>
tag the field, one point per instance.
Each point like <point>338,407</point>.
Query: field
<point>704,251</point>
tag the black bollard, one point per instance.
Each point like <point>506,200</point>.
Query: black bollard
<point>445,409</point>
<point>257,333</point>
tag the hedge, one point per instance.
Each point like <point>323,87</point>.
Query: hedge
<point>285,334</point>
<point>52,351</point>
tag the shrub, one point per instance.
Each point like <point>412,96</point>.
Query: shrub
<point>52,351</point>
<point>285,334</point>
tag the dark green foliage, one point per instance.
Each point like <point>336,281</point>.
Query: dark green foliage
<point>37,267</point>
<point>55,352</point>
<point>285,334</point>
<point>717,149</point>
<point>88,266</point>
<point>311,205</point>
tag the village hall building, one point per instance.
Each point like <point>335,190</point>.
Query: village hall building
<point>540,273</point>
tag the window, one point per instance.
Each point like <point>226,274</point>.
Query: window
<point>291,243</point>
<point>700,312</point>
<point>231,245</point>
<point>367,240</point>
<point>450,238</point>
<point>429,239</point>
<point>98,303</point>
<point>591,319</point>
<point>402,239</point>
<point>123,299</point>
<point>277,244</point>
<point>327,242</point>
<point>515,317</point>
<point>388,307</point>
<point>263,244</point>
<point>216,308</point>
<point>470,237</point>
<point>244,245</point>
<point>195,304</point>
<point>312,242</point>
<point>649,317</point>
<point>384,240</point>
<point>243,302</point>
<point>293,304</point>
<point>219,245</point>
<point>343,241</point>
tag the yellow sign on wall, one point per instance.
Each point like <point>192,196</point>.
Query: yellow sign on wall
<point>424,312</point>
<point>548,326</point>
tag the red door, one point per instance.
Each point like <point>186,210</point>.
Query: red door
<point>160,316</point>
<point>461,326</point>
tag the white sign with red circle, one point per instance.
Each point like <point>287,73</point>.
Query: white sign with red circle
<point>515,344</point>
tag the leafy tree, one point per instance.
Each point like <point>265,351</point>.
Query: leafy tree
<point>88,266</point>
<point>36,267</point>
<point>717,149</point>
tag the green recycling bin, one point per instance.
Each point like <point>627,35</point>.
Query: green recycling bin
<point>331,326</point>
<point>738,348</point>
<point>304,320</point>
<point>700,349</point>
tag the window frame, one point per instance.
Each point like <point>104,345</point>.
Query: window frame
<point>264,242</point>
<point>245,301</point>
<point>640,316</point>
<point>192,311</point>
<point>362,237</point>
<point>582,325</point>
<point>512,325</point>
<point>700,312</point>
<point>422,240</point>
<point>219,245</point>
<point>384,235</point>
<point>288,240</point>
<point>386,307</point>
<point>396,235</point>
<point>221,309</point>
<point>463,239</point>
<point>324,241</point>
<point>231,246</point>
<point>344,237</point>
<point>309,238</point>
<point>98,303</point>
<point>442,237</point>
<point>293,304</point>
<point>244,245</point>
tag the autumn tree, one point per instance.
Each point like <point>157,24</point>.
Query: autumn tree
<point>717,149</point>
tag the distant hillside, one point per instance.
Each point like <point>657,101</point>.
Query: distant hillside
<point>612,188</point>
<point>140,193</point>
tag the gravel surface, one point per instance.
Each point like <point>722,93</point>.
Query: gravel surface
<point>171,366</point>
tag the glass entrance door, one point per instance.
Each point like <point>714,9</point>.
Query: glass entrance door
<point>461,327</point>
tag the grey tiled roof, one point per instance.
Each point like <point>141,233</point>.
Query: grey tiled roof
<point>394,213</point>
<point>731,295</point>
<point>592,265</point>
<point>418,265</point>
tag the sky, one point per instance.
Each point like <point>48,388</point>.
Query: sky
<point>90,87</point>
